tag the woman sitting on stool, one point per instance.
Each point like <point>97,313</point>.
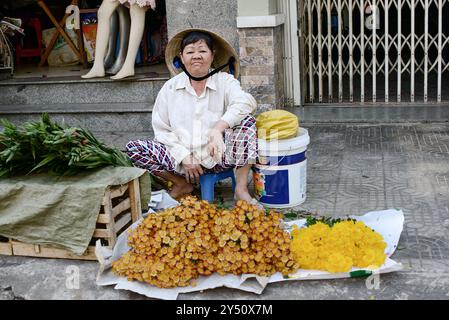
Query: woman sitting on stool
<point>201,118</point>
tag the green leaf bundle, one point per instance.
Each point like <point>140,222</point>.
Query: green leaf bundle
<point>326,220</point>
<point>45,146</point>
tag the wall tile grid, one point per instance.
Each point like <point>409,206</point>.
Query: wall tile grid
<point>261,65</point>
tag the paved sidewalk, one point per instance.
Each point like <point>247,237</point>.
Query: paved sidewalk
<point>352,169</point>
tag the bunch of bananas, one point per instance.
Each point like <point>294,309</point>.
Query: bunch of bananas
<point>174,247</point>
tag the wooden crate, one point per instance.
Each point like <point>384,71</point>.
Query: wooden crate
<point>5,246</point>
<point>119,209</point>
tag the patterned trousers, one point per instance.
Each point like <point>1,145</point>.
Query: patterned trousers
<point>240,149</point>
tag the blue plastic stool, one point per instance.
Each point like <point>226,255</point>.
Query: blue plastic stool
<point>208,180</point>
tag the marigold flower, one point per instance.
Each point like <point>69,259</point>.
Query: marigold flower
<point>337,249</point>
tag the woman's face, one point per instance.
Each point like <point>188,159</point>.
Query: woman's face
<point>197,58</point>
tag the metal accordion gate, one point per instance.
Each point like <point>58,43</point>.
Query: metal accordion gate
<point>378,51</point>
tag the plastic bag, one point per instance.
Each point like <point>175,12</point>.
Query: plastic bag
<point>277,124</point>
<point>61,54</point>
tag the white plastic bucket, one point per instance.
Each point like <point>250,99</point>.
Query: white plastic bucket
<point>280,174</point>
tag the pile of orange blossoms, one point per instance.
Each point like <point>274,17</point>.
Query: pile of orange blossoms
<point>174,247</point>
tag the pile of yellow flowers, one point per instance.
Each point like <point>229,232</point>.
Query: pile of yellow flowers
<point>175,246</point>
<point>338,248</point>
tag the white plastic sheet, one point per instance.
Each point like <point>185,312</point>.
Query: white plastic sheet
<point>389,223</point>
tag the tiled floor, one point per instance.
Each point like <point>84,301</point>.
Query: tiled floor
<point>387,166</point>
<point>352,169</point>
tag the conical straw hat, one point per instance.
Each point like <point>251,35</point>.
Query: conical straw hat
<point>222,52</point>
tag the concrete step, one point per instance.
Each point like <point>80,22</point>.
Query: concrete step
<point>119,139</point>
<point>111,131</point>
<point>115,111</point>
<point>67,108</point>
<point>99,117</point>
<point>372,113</point>
<point>69,90</point>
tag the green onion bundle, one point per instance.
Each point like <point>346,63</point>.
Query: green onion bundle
<point>45,146</point>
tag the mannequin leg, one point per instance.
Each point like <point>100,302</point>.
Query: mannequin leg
<point>112,41</point>
<point>105,11</point>
<point>125,25</point>
<point>137,27</point>
<point>157,52</point>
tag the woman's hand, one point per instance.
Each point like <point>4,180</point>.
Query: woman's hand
<point>216,145</point>
<point>192,168</point>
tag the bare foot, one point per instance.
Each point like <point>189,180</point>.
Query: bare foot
<point>94,73</point>
<point>180,190</point>
<point>241,193</point>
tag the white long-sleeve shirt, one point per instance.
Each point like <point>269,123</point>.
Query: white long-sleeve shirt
<point>182,120</point>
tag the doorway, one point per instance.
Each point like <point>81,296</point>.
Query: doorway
<point>377,51</point>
